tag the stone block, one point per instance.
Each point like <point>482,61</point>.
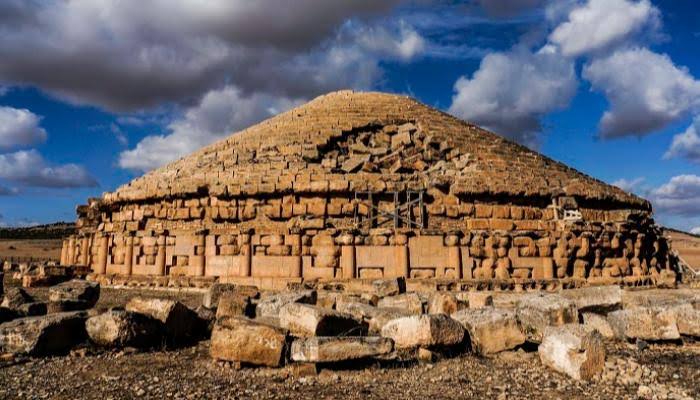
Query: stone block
<point>334,349</point>
<point>410,302</point>
<point>688,320</point>
<point>213,294</point>
<point>308,320</point>
<point>573,350</point>
<point>491,330</point>
<point>15,297</point>
<point>537,312</point>
<point>429,331</point>
<point>73,290</point>
<point>444,303</point>
<point>270,305</point>
<point>599,323</point>
<point>598,299</point>
<point>233,304</point>
<point>180,323</point>
<point>246,341</point>
<point>45,335</point>
<point>119,328</point>
<point>646,323</point>
<point>375,317</point>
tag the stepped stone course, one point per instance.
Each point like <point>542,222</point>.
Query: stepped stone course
<point>368,186</point>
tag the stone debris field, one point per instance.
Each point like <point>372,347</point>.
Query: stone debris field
<point>78,340</point>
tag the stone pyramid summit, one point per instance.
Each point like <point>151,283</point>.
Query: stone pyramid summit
<point>368,185</point>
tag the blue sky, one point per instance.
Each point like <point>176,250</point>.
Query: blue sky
<point>92,94</point>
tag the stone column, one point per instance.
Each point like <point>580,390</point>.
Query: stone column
<point>246,253</point>
<point>160,256</point>
<point>101,265</point>
<point>84,250</point>
<point>295,242</point>
<point>129,254</point>
<point>454,260</point>
<point>401,261</point>
<point>71,250</point>
<point>348,261</point>
<point>64,252</point>
<point>197,262</point>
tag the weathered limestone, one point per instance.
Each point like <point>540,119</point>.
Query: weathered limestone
<point>647,323</point>
<point>410,302</point>
<point>688,320</point>
<point>307,320</point>
<point>334,349</point>
<point>491,330</point>
<point>424,331</point>
<point>270,306</point>
<point>444,303</point>
<point>599,299</point>
<point>573,350</point>
<point>374,317</point>
<point>118,328</point>
<point>44,335</point>
<point>180,323</point>
<point>535,313</point>
<point>246,341</point>
<point>15,297</point>
<point>599,323</point>
<point>217,290</point>
<point>75,290</point>
<point>232,304</point>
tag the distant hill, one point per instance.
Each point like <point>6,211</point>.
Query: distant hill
<point>56,230</point>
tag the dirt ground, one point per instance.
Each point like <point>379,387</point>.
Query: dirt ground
<point>688,247</point>
<point>669,370</point>
<point>30,248</point>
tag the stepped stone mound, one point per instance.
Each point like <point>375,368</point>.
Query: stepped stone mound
<point>371,186</point>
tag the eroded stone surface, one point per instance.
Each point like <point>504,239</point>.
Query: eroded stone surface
<point>119,328</point>
<point>424,331</point>
<point>76,290</point>
<point>180,322</point>
<point>307,320</point>
<point>573,350</point>
<point>491,330</point>
<point>242,340</point>
<point>647,323</point>
<point>43,335</point>
<point>410,302</point>
<point>537,312</point>
<point>333,349</point>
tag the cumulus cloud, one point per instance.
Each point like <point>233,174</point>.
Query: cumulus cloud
<point>602,24</point>
<point>646,91</point>
<point>19,127</point>
<point>511,91</point>
<point>28,168</point>
<point>219,113</point>
<point>130,55</point>
<point>686,144</point>
<point>695,231</point>
<point>630,185</point>
<point>679,196</point>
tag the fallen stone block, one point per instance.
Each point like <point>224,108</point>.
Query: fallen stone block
<point>180,323</point>
<point>217,290</point>
<point>67,305</point>
<point>307,320</point>
<point>75,290</point>
<point>408,301</point>
<point>437,330</point>
<point>491,330</point>
<point>15,297</point>
<point>389,287</point>
<point>573,350</point>
<point>242,340</point>
<point>537,312</point>
<point>233,304</point>
<point>479,299</point>
<point>207,319</point>
<point>658,298</point>
<point>598,299</point>
<point>599,323</point>
<point>44,335</point>
<point>444,303</point>
<point>334,349</point>
<point>688,320</point>
<point>119,328</point>
<point>270,305</point>
<point>646,323</point>
<point>374,317</point>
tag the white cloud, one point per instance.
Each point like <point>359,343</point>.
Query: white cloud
<point>686,144</point>
<point>19,127</point>
<point>679,196</point>
<point>511,91</point>
<point>646,91</point>
<point>695,231</point>
<point>219,114</point>
<point>601,24</point>
<point>630,185</point>
<point>7,191</point>
<point>403,45</point>
<point>130,54</point>
<point>28,168</point>
<point>119,134</point>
